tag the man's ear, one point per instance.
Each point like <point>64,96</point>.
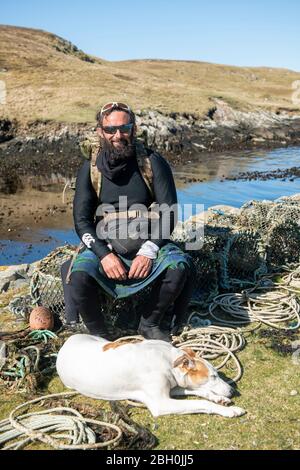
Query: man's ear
<point>100,132</point>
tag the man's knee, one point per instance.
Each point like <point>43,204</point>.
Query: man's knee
<point>177,277</point>
<point>80,281</point>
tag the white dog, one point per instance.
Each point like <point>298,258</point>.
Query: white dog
<point>148,371</point>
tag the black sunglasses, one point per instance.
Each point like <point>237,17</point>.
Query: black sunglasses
<point>124,129</point>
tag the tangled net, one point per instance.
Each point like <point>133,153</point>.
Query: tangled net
<point>46,286</point>
<point>240,246</point>
<point>30,358</point>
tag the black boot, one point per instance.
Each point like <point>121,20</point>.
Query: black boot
<point>153,332</point>
<point>71,312</point>
<point>96,328</point>
<point>85,292</point>
<point>167,320</point>
<point>156,323</point>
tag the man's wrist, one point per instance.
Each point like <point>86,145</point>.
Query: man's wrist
<point>104,251</point>
<point>149,250</point>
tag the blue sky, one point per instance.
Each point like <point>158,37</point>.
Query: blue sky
<point>256,33</point>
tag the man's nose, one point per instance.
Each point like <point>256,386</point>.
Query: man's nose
<point>118,134</point>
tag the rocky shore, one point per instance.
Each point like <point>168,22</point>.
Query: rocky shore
<point>16,277</point>
<point>44,152</point>
<point>285,174</point>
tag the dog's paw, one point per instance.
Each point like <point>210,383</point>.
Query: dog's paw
<point>234,411</point>
<point>223,401</point>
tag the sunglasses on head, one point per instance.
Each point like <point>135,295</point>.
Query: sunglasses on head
<point>124,129</point>
<point>109,106</point>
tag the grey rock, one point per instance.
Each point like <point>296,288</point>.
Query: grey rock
<point>19,283</point>
<point>14,272</point>
<point>264,133</point>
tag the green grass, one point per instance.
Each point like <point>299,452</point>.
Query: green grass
<point>272,419</point>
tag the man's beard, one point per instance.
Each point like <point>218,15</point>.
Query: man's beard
<point>118,155</point>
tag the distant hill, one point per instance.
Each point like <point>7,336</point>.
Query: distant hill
<point>48,77</point>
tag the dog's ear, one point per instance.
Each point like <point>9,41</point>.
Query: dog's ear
<point>185,361</point>
<point>189,352</point>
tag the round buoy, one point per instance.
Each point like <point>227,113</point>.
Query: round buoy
<point>41,318</point>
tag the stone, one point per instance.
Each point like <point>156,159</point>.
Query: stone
<point>263,133</point>
<point>279,133</point>
<point>225,208</point>
<point>19,284</point>
<point>12,273</point>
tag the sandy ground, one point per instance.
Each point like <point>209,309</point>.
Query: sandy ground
<point>26,211</point>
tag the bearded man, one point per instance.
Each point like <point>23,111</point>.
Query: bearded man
<point>122,266</point>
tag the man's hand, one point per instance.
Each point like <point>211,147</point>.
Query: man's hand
<point>113,267</point>
<point>140,267</point>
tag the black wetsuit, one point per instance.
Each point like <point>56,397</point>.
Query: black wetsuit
<point>173,288</point>
<point>133,186</point>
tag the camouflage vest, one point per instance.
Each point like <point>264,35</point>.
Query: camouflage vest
<point>90,149</point>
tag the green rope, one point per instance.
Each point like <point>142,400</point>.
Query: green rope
<point>42,335</point>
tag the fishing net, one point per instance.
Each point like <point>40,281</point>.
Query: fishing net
<point>46,285</point>
<point>239,246</point>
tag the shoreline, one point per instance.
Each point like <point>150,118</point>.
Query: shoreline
<point>32,154</point>
<point>34,209</point>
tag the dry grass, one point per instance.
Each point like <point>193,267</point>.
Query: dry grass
<point>47,79</point>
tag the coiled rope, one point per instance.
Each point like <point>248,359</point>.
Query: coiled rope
<point>291,281</point>
<point>236,314</point>
<point>54,428</point>
<point>269,305</point>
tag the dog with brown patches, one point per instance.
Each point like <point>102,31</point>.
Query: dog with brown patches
<point>149,371</point>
